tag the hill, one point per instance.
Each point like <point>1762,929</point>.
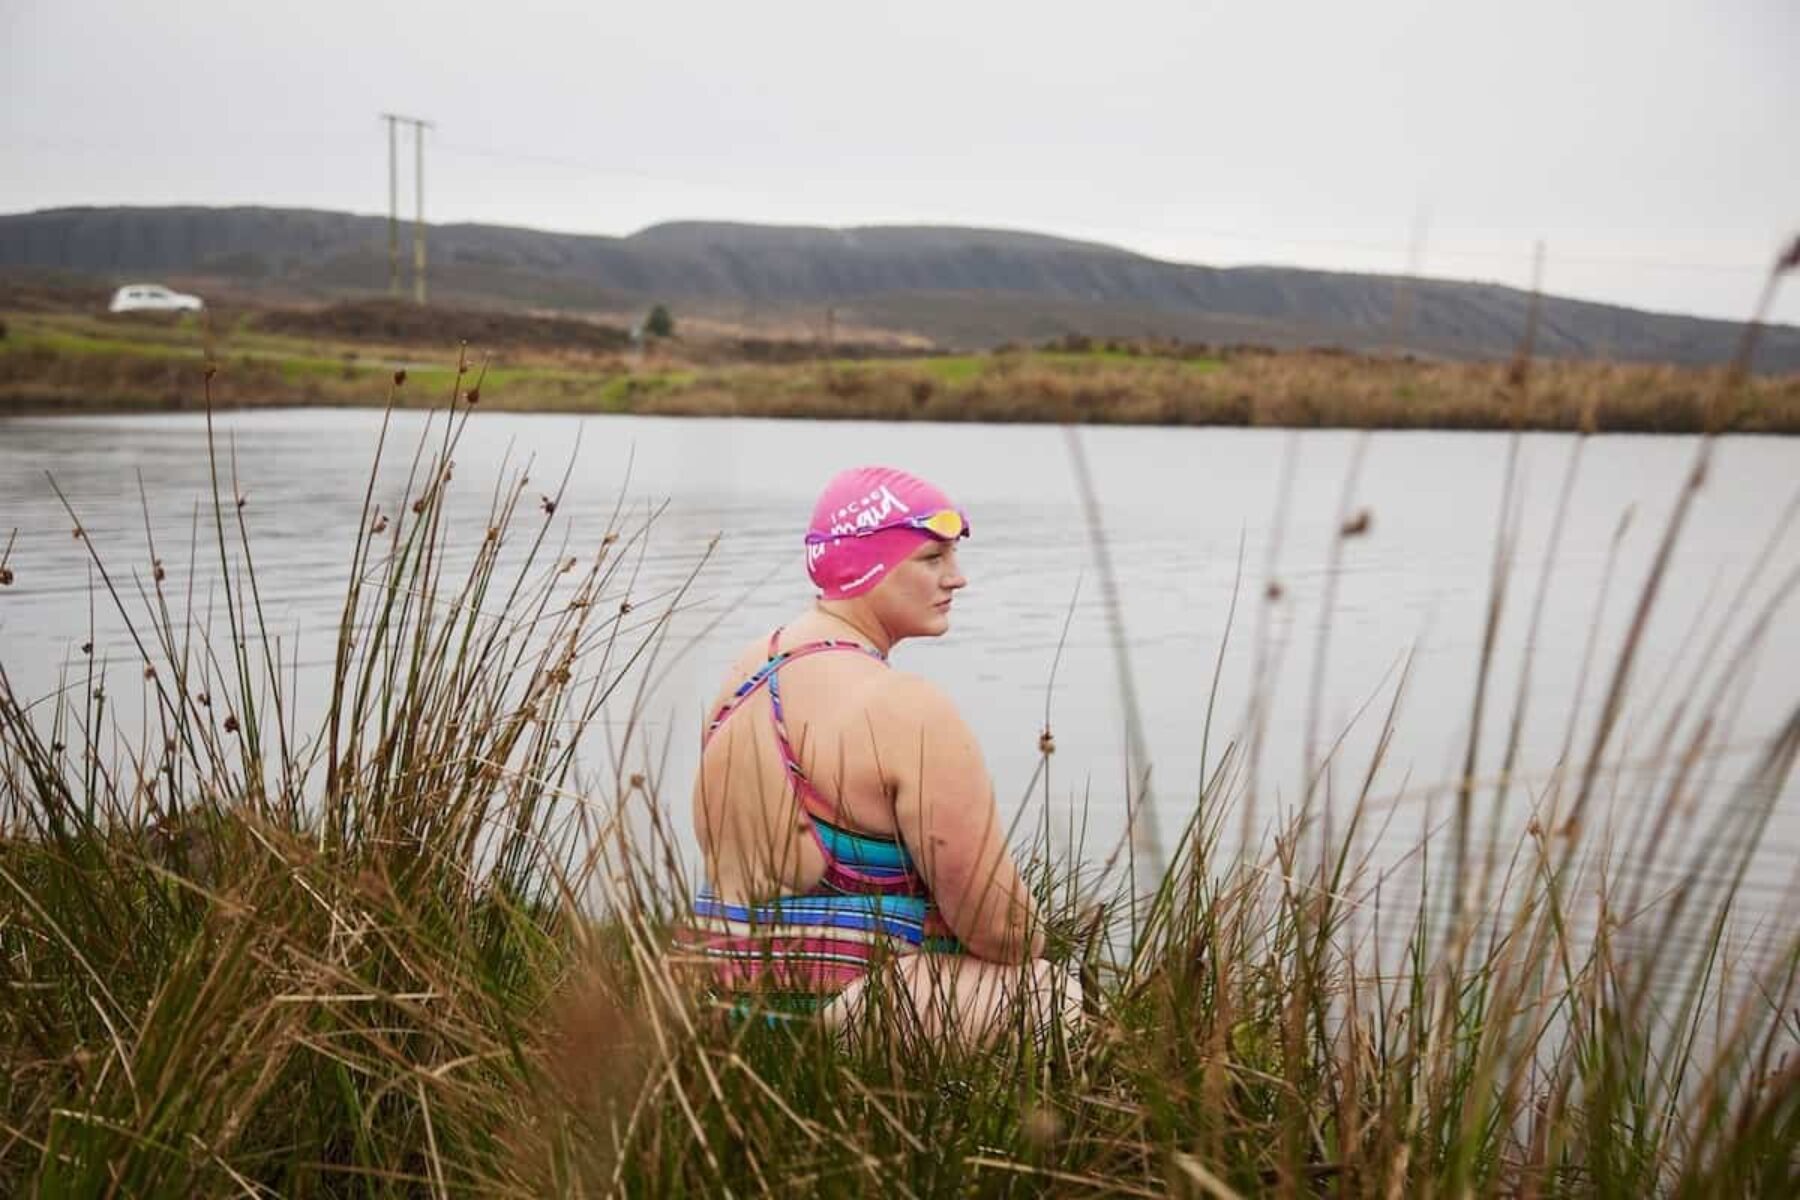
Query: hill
<point>956,287</point>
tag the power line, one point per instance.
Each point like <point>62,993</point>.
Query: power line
<point>1398,250</point>
<point>594,167</point>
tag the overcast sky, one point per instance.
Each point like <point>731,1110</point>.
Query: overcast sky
<point>1651,144</point>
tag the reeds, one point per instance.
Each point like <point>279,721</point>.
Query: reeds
<point>412,948</point>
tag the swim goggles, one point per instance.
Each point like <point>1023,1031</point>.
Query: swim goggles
<point>946,523</point>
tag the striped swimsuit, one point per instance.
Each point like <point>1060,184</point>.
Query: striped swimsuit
<point>796,953</point>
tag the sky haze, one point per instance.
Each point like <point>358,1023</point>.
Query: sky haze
<point>1648,143</point>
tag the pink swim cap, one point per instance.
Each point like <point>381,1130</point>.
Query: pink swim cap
<point>870,518</point>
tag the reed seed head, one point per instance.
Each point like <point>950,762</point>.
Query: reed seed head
<point>1042,1126</point>
<point>400,377</point>
<point>156,570</point>
<point>549,506</point>
<point>1357,525</point>
<point>1046,743</point>
<point>6,576</point>
<point>87,647</point>
<point>595,1049</point>
<point>1790,258</point>
<point>231,723</point>
<point>474,395</point>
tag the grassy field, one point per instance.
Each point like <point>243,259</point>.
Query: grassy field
<point>416,948</point>
<point>68,362</point>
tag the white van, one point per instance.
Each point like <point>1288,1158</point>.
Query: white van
<point>152,297</point>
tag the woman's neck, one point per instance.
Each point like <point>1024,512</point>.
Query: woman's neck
<point>865,628</point>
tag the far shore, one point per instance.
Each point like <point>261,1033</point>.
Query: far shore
<point>76,363</point>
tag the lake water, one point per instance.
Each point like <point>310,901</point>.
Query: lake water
<point>1177,506</point>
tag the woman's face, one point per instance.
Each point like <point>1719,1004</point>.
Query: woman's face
<point>914,600</point>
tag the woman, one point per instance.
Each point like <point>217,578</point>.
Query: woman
<point>848,825</point>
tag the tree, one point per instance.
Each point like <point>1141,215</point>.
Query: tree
<point>659,323</point>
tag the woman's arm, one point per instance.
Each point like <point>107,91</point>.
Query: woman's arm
<point>944,807</point>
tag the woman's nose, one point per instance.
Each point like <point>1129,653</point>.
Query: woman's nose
<point>955,579</point>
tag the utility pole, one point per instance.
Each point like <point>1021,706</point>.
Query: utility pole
<point>419,212</point>
<point>1405,285</point>
<point>393,123</point>
<point>394,120</point>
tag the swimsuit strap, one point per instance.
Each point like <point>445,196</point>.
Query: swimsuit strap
<point>839,875</point>
<point>766,674</point>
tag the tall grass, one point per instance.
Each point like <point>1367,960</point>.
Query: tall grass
<point>412,948</point>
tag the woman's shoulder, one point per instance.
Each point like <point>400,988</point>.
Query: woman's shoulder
<point>749,659</point>
<point>751,655</point>
<point>916,724</point>
<point>908,695</point>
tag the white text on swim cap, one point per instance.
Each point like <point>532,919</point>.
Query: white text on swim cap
<point>865,514</point>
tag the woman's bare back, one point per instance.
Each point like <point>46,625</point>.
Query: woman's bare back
<point>752,830</point>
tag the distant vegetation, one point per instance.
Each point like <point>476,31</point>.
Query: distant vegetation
<point>659,323</point>
<point>402,323</point>
<point>55,359</point>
